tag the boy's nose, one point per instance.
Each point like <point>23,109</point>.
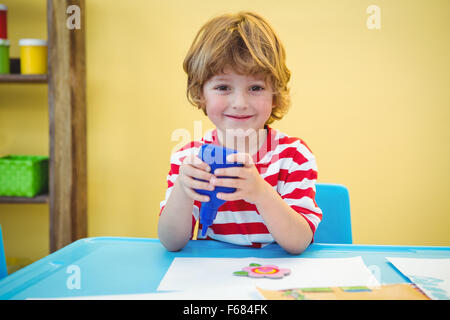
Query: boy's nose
<point>239,101</point>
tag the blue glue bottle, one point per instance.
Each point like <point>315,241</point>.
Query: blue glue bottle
<point>215,156</point>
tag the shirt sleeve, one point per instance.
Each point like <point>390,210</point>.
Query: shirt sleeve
<point>175,162</point>
<point>298,188</point>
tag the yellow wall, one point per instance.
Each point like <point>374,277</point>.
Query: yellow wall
<point>374,106</point>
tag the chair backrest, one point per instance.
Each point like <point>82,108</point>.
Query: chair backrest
<point>3,270</point>
<point>334,201</point>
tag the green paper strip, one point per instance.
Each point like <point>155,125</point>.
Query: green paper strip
<point>356,289</point>
<point>240,273</point>
<point>287,293</point>
<point>325,289</point>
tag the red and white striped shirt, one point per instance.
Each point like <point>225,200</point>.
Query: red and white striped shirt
<point>285,162</point>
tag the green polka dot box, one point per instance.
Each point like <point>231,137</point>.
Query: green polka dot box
<point>23,176</point>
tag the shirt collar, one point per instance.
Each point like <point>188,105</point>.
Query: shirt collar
<point>269,143</point>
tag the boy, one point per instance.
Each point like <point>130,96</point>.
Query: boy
<point>238,77</point>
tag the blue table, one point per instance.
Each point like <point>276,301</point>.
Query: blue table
<point>107,265</point>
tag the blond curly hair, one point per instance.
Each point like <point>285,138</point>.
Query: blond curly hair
<point>246,42</point>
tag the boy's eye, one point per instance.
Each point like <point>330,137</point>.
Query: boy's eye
<point>253,88</point>
<point>257,88</point>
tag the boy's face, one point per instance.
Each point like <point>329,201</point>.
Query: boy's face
<point>235,101</point>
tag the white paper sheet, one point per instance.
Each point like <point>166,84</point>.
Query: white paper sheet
<point>432,276</point>
<point>222,293</point>
<point>205,273</point>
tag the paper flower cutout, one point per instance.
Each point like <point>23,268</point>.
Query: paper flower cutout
<point>255,270</point>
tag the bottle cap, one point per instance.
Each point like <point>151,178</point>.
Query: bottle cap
<point>3,7</point>
<point>4,42</point>
<point>32,42</point>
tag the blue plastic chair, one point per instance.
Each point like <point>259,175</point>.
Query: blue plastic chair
<point>3,269</point>
<point>334,201</point>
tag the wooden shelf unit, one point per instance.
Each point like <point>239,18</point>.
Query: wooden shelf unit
<point>23,78</point>
<point>66,78</point>
<point>40,198</point>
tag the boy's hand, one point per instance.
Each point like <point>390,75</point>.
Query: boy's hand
<point>193,167</point>
<point>249,185</point>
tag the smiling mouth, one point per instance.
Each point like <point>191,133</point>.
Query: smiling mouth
<point>238,117</point>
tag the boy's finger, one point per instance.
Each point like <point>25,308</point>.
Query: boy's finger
<point>228,196</point>
<point>197,184</point>
<point>231,183</point>
<point>195,161</point>
<point>230,172</point>
<point>201,164</point>
<point>194,172</point>
<point>196,196</point>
